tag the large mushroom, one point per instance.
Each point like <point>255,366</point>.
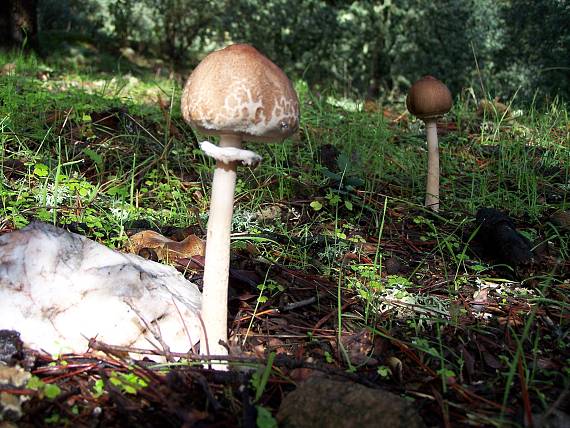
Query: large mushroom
<point>238,94</point>
<point>429,99</point>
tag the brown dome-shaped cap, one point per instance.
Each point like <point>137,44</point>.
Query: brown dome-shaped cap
<point>237,90</point>
<point>428,98</point>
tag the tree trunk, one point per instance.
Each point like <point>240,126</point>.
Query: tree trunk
<point>19,23</point>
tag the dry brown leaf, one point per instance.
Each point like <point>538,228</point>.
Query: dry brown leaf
<point>491,361</point>
<point>277,345</point>
<point>492,107</point>
<point>166,249</point>
<point>480,299</point>
<point>369,248</point>
<point>359,346</point>
<point>513,321</point>
<point>371,106</point>
<point>8,69</point>
<point>396,368</point>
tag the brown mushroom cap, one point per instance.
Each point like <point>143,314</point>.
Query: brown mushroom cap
<point>237,90</point>
<point>428,98</point>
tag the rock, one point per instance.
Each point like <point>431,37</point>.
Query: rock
<point>500,239</point>
<point>10,346</point>
<point>325,403</point>
<point>392,265</point>
<point>59,289</point>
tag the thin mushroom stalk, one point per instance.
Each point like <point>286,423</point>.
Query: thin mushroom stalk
<point>228,156</point>
<point>216,269</point>
<point>432,187</point>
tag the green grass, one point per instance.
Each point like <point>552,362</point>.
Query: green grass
<point>96,151</point>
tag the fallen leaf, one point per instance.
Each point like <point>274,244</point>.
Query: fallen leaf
<point>396,368</point>
<point>359,346</point>
<point>371,106</point>
<point>166,249</point>
<point>491,361</point>
<point>513,321</point>
<point>8,69</point>
<point>492,108</point>
<point>277,345</point>
<point>268,213</point>
<point>480,299</point>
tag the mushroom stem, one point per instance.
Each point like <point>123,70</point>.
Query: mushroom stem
<point>217,263</point>
<point>432,187</point>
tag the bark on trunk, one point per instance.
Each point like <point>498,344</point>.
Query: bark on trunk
<point>19,24</point>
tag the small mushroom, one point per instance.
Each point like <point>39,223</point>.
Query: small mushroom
<point>238,94</point>
<point>429,99</point>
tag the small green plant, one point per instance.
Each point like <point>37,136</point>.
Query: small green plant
<point>48,390</point>
<point>261,376</point>
<point>268,289</point>
<point>98,388</point>
<point>384,371</point>
<point>258,382</point>
<point>316,205</point>
<point>56,419</point>
<point>367,283</point>
<point>264,418</point>
<point>129,383</point>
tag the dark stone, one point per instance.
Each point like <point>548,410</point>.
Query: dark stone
<point>326,403</point>
<point>500,240</point>
<point>10,346</point>
<point>392,265</point>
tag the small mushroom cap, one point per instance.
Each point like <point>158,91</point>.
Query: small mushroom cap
<point>237,90</point>
<point>428,98</point>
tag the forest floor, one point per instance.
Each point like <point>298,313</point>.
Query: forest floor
<point>337,267</point>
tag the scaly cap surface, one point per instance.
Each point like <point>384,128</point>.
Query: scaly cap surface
<point>237,90</point>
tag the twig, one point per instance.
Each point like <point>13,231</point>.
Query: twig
<point>279,361</point>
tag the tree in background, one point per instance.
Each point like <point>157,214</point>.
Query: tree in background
<point>299,36</point>
<point>18,23</point>
<point>370,35</point>
<point>454,40</point>
<point>124,20</point>
<point>182,26</point>
<point>536,53</point>
<point>359,47</point>
<point>74,19</point>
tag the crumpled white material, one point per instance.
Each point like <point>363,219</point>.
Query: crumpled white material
<point>60,289</point>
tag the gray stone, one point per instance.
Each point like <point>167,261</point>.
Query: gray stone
<point>325,403</point>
